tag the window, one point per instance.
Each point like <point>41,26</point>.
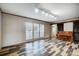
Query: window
<point>29,30</point>
<point>34,31</point>
<point>41,30</point>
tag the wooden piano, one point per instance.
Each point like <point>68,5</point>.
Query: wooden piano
<point>65,35</point>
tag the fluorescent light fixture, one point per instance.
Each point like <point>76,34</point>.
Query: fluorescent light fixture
<point>36,10</point>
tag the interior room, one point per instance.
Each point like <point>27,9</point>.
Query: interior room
<point>39,29</point>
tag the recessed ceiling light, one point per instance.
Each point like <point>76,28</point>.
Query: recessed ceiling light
<point>36,10</point>
<point>55,18</point>
<point>43,12</point>
<point>51,16</point>
<point>46,14</point>
<point>54,12</point>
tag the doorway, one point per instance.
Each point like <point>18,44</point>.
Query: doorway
<point>54,31</point>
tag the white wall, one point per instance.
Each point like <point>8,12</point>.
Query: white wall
<point>47,31</point>
<point>68,26</point>
<point>0,29</point>
<point>14,29</point>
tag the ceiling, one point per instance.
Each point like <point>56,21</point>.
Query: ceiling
<point>60,11</point>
